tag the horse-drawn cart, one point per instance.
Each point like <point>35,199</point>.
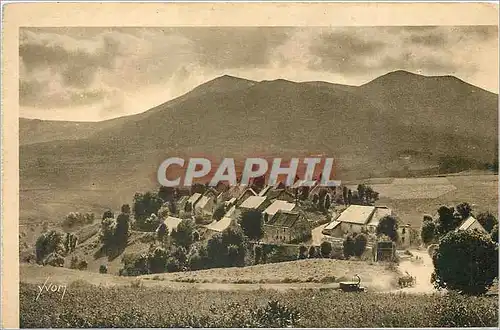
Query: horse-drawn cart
<point>352,286</point>
<point>407,281</point>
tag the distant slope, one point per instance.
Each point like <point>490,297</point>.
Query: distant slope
<point>365,128</point>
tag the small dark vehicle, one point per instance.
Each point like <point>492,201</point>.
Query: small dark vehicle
<point>352,286</point>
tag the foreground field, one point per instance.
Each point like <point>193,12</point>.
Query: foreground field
<point>88,306</point>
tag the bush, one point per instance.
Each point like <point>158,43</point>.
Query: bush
<point>326,249</point>
<point>103,269</point>
<point>82,265</point>
<point>465,261</point>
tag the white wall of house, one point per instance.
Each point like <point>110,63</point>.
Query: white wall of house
<point>346,227</point>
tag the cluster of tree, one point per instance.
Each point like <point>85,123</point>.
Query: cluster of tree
<point>354,245</point>
<point>145,206</point>
<point>114,233</point>
<point>450,218</point>
<point>465,261</point>
<point>365,195</point>
<point>52,246</point>
<point>226,249</point>
<point>74,219</point>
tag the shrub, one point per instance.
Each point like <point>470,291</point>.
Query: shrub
<point>108,215</point>
<point>82,265</point>
<point>326,249</point>
<point>465,261</point>
<point>103,269</point>
<point>78,219</point>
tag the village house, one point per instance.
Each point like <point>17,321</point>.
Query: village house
<point>227,220</point>
<point>243,195</point>
<point>277,205</point>
<point>364,218</point>
<point>205,205</point>
<point>171,223</point>
<point>471,223</point>
<point>286,227</point>
<point>258,203</point>
<point>189,205</point>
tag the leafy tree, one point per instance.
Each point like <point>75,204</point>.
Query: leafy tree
<point>108,215</point>
<point>304,193</point>
<point>325,249</point>
<point>158,260</point>
<point>48,243</point>
<point>54,259</point>
<point>428,231</point>
<point>180,254</point>
<point>348,246</point>
<point>487,220</point>
<point>302,252</point>
<point>219,211</point>
<point>196,236</point>
<point>198,188</point>
<point>151,223</point>
<point>345,195</point>
<point>328,202</point>
<point>349,197</point>
<point>465,261</point>
<point>257,254</point>
<point>219,252</point>
<point>252,224</point>
<point>107,232</point>
<point>361,192</point>
<point>359,244</point>
<point>145,205</point>
<point>183,234</point>
<point>321,198</point>
<point>464,210</point>
<point>447,220</point>
<point>388,226</point>
<point>122,226</point>
<point>233,254</point>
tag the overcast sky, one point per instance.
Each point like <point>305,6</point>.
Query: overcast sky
<point>101,73</point>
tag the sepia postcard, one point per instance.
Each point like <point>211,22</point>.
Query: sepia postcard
<point>261,165</point>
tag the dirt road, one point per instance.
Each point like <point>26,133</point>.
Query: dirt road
<point>421,269</point>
